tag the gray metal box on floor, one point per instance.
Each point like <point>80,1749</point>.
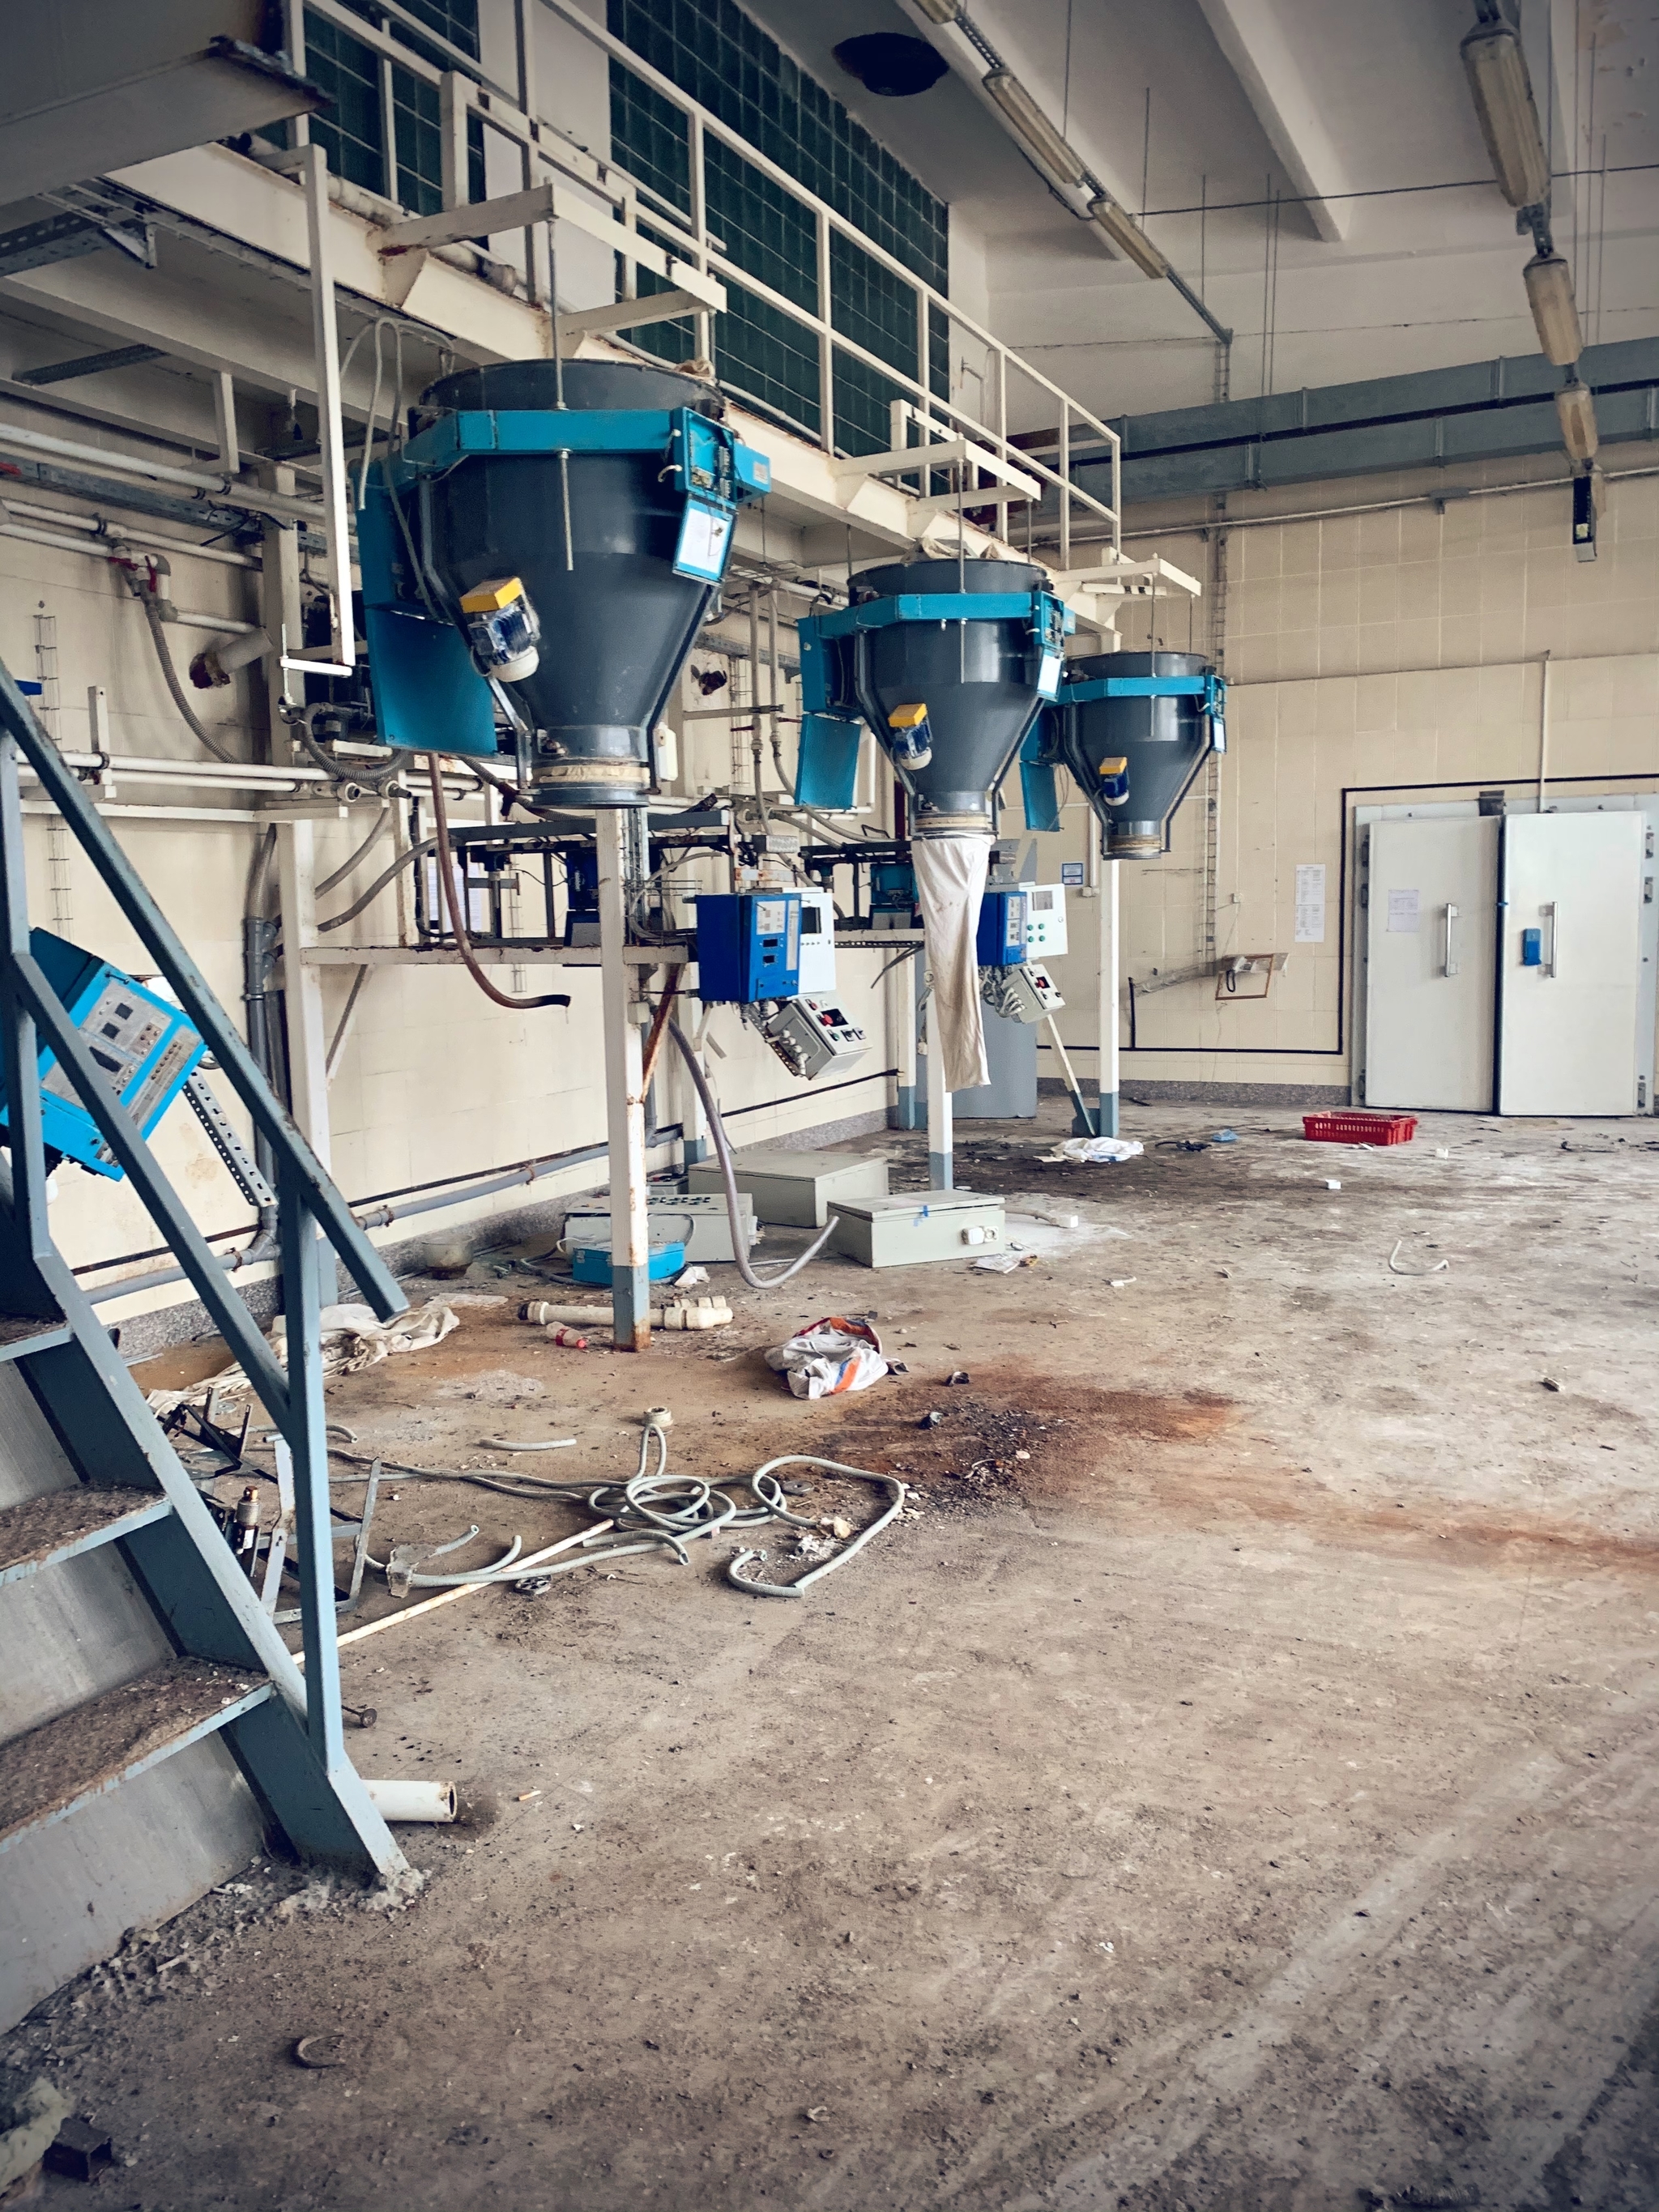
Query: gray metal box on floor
<point>798,1187</point>
<point>697,1218</point>
<point>919,1226</point>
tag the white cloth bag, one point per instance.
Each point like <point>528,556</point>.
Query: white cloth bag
<point>950,874</point>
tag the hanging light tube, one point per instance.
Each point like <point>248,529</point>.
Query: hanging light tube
<point>1032,127</point>
<point>1575,406</point>
<point>1126,233</point>
<point>1501,90</point>
<point>1554,310</point>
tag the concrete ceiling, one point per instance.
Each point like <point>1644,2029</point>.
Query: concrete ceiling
<point>1330,111</point>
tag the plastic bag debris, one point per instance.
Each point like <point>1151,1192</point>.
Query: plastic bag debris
<point>1225,1137</point>
<point>1093,1151</point>
<point>833,1356</point>
<point>1001,1263</point>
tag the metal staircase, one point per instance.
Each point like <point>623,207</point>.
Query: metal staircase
<point>229,1672</point>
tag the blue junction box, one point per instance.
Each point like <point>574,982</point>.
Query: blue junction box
<point>1001,939</point>
<point>748,946</point>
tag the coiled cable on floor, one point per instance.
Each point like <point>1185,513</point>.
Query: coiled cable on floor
<point>728,1176</point>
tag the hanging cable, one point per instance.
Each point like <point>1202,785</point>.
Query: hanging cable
<point>373,839</point>
<point>446,892</point>
<point>728,1176</point>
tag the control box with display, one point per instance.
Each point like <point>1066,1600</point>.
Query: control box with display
<point>1001,940</point>
<point>748,946</point>
<point>1045,921</point>
<point>143,1047</point>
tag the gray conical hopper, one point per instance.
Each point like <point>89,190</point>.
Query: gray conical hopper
<point>977,679</point>
<point>1164,742</point>
<point>615,627</point>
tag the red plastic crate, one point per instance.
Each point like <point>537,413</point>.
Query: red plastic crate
<point>1359,1128</point>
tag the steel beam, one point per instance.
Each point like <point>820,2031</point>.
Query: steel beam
<point>624,1092</point>
<point>1263,57</point>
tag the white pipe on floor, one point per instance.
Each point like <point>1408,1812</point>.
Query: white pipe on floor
<point>413,1801</point>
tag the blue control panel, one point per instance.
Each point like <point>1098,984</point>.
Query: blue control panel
<point>142,1044</point>
<point>748,946</point>
<point>1001,939</point>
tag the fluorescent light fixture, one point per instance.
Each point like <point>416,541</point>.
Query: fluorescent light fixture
<point>1575,403</point>
<point>1502,89</point>
<point>1554,310</point>
<point>1128,236</point>
<point>1032,127</point>
<point>940,11</point>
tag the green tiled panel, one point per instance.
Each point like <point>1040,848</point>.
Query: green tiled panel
<point>419,116</point>
<point>650,138</point>
<point>871,306</point>
<point>454,20</point>
<point>769,358</point>
<point>350,133</point>
<point>712,51</point>
<point>767,230</point>
<point>863,396</point>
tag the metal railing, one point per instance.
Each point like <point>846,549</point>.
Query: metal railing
<point>310,1209</point>
<point>465,91</point>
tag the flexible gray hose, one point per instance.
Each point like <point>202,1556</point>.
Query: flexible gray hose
<point>404,859</point>
<point>153,616</point>
<point>367,846</point>
<point>728,1175</point>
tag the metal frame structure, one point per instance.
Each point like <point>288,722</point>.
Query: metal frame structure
<point>233,1672</point>
<point>465,91</point>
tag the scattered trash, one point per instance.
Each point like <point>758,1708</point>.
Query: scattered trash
<point>1182,1145</point>
<point>838,1527</point>
<point>1396,1268</point>
<point>539,1444</point>
<point>1122,1282</point>
<point>475,1298</point>
<point>528,1795</point>
<point>413,1800</point>
<point>566,1337</point>
<point>1001,1263</point>
<point>1548,1382</point>
<point>1093,1151</point>
<point>1442,1152</point>
<point>1226,1137</point>
<point>30,2115</point>
<point>833,1356</point>
<point>691,1279</point>
<point>934,1420</point>
<point>816,2112</point>
<point>1331,1183</point>
<point>957,1375</point>
<point>352,1340</point>
<point>80,2150</point>
<point>320,2051</point>
<point>362,1716</point>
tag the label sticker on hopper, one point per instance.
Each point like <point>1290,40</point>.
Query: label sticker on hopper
<point>705,538</point>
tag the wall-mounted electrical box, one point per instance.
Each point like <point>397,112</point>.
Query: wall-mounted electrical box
<point>1001,941</point>
<point>145,1046</point>
<point>817,943</point>
<point>748,946</point>
<point>808,1034</point>
<point>1020,994</point>
<point>1045,921</point>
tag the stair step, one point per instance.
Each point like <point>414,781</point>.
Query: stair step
<point>52,1770</point>
<point>22,1333</point>
<point>41,1531</point>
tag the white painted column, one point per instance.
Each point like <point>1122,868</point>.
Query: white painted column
<point>1107,1073</point>
<point>625,1096</point>
<point>941,1140</point>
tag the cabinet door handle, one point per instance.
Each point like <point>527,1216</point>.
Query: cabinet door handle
<point>1554,966</point>
<point>1450,968</point>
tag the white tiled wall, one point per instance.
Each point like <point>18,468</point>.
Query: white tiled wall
<point>1401,649</point>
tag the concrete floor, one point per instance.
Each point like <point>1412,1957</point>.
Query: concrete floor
<point>1245,1800</point>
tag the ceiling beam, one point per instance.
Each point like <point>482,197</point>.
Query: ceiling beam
<point>1264,59</point>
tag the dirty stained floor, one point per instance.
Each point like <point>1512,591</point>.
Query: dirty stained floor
<point>1237,1790</point>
